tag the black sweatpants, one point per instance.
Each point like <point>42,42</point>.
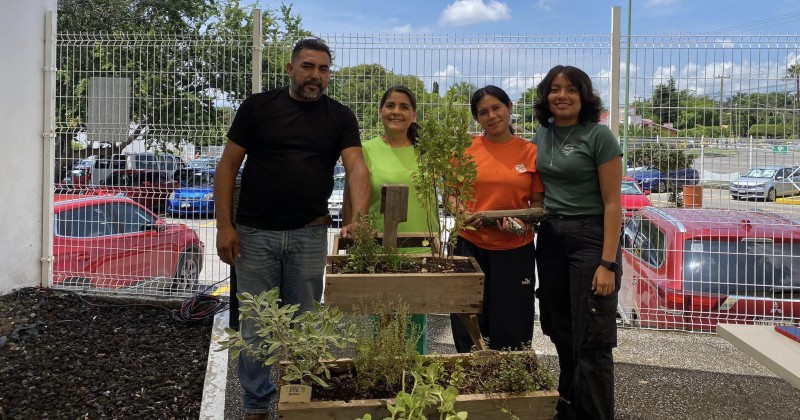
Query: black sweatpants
<point>508,289</point>
<point>582,326</point>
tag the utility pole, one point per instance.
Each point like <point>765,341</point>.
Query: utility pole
<point>721,93</point>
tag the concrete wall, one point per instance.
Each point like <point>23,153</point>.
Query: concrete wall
<point>22,113</point>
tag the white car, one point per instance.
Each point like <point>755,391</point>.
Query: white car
<point>336,199</point>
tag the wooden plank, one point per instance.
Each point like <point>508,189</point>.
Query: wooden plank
<point>423,293</point>
<point>530,215</point>
<point>394,207</point>
<point>778,353</point>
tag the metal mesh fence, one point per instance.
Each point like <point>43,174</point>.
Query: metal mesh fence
<point>703,110</point>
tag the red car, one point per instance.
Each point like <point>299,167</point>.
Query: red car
<point>149,188</point>
<point>114,242</point>
<point>633,198</point>
<point>690,269</point>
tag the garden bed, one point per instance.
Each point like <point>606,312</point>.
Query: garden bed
<point>65,358</point>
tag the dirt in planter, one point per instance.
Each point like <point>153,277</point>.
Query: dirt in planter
<point>63,358</point>
<point>417,265</point>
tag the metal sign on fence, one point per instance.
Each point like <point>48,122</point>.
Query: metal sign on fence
<point>782,148</point>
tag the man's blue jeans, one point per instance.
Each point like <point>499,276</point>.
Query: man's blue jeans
<point>293,260</point>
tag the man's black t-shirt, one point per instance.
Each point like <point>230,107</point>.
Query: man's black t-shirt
<point>292,147</point>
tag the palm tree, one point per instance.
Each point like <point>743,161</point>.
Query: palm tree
<point>793,72</point>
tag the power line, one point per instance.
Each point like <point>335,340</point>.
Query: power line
<point>787,18</point>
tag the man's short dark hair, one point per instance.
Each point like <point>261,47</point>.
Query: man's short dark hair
<point>311,44</point>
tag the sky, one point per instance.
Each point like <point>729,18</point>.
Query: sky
<point>745,69</point>
<point>545,17</point>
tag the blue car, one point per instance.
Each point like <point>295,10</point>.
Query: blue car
<point>195,196</point>
<point>651,179</point>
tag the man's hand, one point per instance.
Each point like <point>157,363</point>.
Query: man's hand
<point>227,244</point>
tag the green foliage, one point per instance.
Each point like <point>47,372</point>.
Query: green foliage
<point>663,156</point>
<point>665,102</point>
<point>365,255</point>
<point>445,170</point>
<point>384,352</point>
<point>304,340</point>
<point>426,392</point>
<point>771,131</point>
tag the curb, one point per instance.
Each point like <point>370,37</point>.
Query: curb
<point>213,404</point>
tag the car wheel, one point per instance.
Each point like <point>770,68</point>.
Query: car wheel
<point>662,186</point>
<point>188,271</point>
<point>771,194</point>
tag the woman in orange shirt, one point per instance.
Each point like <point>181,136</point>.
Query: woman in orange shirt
<point>506,180</point>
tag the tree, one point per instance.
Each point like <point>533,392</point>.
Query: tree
<point>793,72</point>
<point>183,85</point>
<point>665,102</point>
<point>662,156</point>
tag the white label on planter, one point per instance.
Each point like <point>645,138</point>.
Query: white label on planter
<point>295,393</point>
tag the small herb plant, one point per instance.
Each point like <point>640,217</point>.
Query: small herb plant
<point>384,352</point>
<point>427,391</point>
<point>365,255</point>
<point>304,340</point>
<point>446,172</point>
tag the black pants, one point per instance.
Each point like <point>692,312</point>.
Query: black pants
<point>582,326</point>
<point>507,315</point>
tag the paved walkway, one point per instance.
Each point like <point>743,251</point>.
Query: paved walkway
<point>659,375</point>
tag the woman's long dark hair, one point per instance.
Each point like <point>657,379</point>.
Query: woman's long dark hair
<point>590,102</point>
<point>489,90</point>
<point>413,129</point>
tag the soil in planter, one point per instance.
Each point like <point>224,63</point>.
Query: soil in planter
<point>417,265</point>
<point>520,373</point>
<point>63,358</point>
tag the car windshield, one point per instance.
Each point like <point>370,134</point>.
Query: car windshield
<point>760,173</point>
<point>630,188</point>
<point>199,179</point>
<point>756,266</point>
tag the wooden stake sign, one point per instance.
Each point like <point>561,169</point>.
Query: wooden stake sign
<point>394,207</point>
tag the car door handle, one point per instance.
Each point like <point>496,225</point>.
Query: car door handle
<point>82,257</point>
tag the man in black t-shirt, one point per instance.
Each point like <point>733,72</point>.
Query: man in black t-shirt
<point>292,138</point>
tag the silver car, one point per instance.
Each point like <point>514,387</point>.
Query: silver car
<point>767,182</point>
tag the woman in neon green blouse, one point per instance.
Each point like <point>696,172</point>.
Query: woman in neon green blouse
<point>392,159</point>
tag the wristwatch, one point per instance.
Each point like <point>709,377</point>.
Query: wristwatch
<point>611,265</point>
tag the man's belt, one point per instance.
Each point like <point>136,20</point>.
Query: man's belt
<point>322,220</point>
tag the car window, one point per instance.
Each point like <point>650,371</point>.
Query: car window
<point>630,232</point>
<point>129,218</point>
<point>338,182</point>
<point>649,243</point>
<point>628,188</point>
<point>83,222</point>
<point>741,266</point>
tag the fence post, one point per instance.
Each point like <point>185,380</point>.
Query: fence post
<point>48,147</point>
<point>613,101</point>
<point>258,48</point>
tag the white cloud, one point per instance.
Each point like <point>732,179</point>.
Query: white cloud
<point>467,12</point>
<point>545,5</point>
<point>405,29</point>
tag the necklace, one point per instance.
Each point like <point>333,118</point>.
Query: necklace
<point>553,143</point>
<point>386,142</point>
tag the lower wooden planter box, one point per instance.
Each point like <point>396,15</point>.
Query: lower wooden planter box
<point>538,405</point>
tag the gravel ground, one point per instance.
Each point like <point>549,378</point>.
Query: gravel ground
<point>61,358</point>
<point>659,375</point>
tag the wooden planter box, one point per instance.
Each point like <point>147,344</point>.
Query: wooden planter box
<point>538,405</point>
<point>424,293</point>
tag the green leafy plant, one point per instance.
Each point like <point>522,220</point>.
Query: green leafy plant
<point>304,340</point>
<point>383,353</point>
<point>365,255</point>
<point>446,172</point>
<point>426,392</point>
